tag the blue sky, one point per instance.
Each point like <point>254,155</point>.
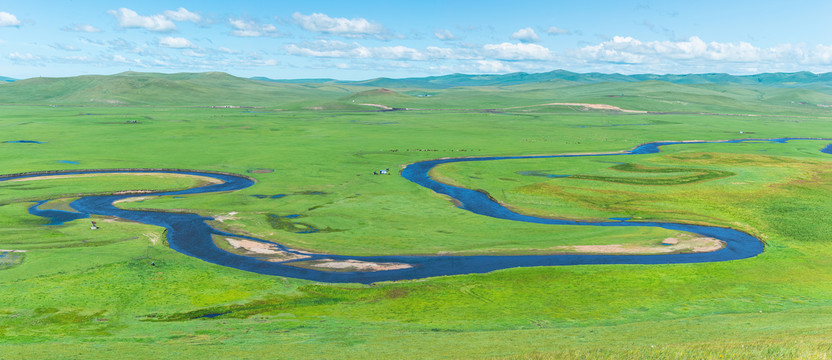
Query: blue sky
<point>367,39</point>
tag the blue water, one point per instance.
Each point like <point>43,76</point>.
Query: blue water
<point>278,196</point>
<point>24,142</point>
<point>211,316</point>
<point>190,234</point>
<point>68,162</point>
<point>56,217</point>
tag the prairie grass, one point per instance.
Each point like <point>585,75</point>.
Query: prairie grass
<point>85,294</point>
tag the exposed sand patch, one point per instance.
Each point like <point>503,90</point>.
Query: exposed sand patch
<point>229,216</point>
<point>597,107</point>
<point>585,106</point>
<point>133,199</point>
<point>209,180</point>
<point>670,241</point>
<point>253,246</point>
<point>382,107</point>
<point>14,251</point>
<point>259,248</point>
<point>668,245</point>
<point>154,238</point>
<point>356,265</point>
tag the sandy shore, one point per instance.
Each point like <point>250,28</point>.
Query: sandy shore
<point>586,106</point>
<point>382,107</point>
<point>668,245</point>
<point>356,265</point>
<point>260,248</point>
<point>50,177</point>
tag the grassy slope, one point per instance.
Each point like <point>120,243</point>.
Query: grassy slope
<point>59,300</point>
<point>206,89</point>
<point>219,89</point>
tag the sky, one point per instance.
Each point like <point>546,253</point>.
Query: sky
<point>356,40</point>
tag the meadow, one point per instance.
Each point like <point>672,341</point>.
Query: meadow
<point>77,293</point>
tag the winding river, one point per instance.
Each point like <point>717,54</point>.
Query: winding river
<point>191,235</point>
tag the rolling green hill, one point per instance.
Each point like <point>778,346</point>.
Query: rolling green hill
<point>721,93</point>
<point>131,88</point>
<point>69,292</point>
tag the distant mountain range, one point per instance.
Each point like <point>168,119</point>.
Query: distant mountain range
<point>798,79</point>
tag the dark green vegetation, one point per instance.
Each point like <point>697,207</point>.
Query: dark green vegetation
<point>286,223</point>
<point>697,176</point>
<point>83,293</point>
<point>9,259</point>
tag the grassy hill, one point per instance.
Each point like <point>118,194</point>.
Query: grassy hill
<point>131,88</point>
<point>121,291</point>
<point>756,94</point>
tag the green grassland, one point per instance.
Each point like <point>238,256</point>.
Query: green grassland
<point>79,293</point>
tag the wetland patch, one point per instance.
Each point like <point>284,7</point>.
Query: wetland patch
<point>10,258</point>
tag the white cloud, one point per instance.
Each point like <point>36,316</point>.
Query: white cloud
<point>176,43</point>
<point>120,44</point>
<point>338,49</point>
<point>519,51</point>
<point>92,42</point>
<point>554,30</point>
<point>75,59</point>
<point>526,35</point>
<point>266,62</point>
<point>696,55</point>
<point>123,60</point>
<point>397,52</point>
<point>632,51</point>
<point>444,35</point>
<point>251,28</point>
<point>182,14</point>
<point>226,50</point>
<point>27,57</point>
<point>65,47</point>
<point>193,53</point>
<point>130,19</point>
<point>493,67</point>
<point>434,52</point>
<point>821,54</point>
<point>328,48</point>
<point>82,28</point>
<point>357,27</point>
<point>7,19</point>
